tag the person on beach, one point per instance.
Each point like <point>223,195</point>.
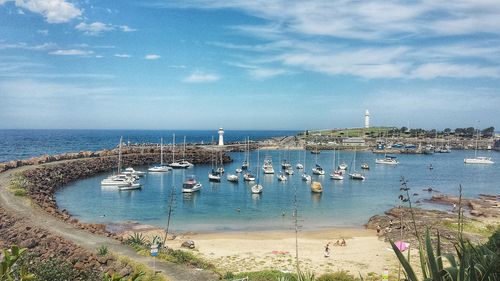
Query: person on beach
<point>454,207</point>
<point>378,229</point>
<point>327,250</point>
<point>390,224</point>
<point>343,243</point>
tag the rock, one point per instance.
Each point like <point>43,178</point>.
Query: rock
<point>125,271</point>
<point>188,244</point>
<point>79,266</point>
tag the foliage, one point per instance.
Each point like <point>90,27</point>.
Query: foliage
<point>9,267</point>
<point>137,276</point>
<point>474,263</point>
<point>494,241</point>
<point>336,276</point>
<point>149,274</point>
<point>55,269</point>
<point>265,275</point>
<point>102,251</point>
<point>184,257</point>
<point>136,239</point>
<point>18,185</point>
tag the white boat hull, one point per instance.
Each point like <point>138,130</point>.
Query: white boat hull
<point>232,178</point>
<point>159,169</point>
<point>478,160</point>
<point>130,187</point>
<point>256,189</point>
<point>306,177</point>
<point>193,189</point>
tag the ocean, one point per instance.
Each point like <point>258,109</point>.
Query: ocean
<point>23,144</point>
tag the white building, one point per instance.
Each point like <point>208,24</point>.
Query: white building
<point>221,137</point>
<point>367,119</point>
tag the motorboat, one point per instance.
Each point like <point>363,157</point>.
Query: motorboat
<point>190,185</point>
<point>160,168</point>
<point>282,177</point>
<point>316,187</point>
<point>214,176</point>
<point>299,166</point>
<point>337,175</point>
<point>268,166</point>
<point>356,176</point>
<point>248,177</point>
<point>306,177</point>
<point>285,165</point>
<point>387,160</point>
<point>238,170</point>
<point>257,189</point>
<point>119,180</point>
<point>318,170</point>
<point>132,171</point>
<point>289,171</point>
<point>342,166</point>
<point>130,186</point>
<point>232,178</point>
<point>365,166</point>
<point>429,149</point>
<point>220,170</point>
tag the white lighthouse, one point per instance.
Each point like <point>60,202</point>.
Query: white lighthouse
<point>367,119</point>
<point>221,137</point>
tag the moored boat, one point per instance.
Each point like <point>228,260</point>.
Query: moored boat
<point>190,185</point>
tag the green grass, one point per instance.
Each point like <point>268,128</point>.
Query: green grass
<point>265,275</point>
<point>18,185</point>
<point>474,227</point>
<point>149,275</point>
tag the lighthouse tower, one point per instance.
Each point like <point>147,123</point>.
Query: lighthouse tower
<point>221,137</point>
<point>367,119</point>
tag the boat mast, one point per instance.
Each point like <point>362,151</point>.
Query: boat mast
<point>477,139</point>
<point>173,148</point>
<point>120,156</point>
<point>161,151</point>
<point>184,151</point>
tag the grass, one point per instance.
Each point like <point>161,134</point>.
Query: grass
<point>149,275</point>
<point>474,227</point>
<point>18,184</point>
<point>265,275</point>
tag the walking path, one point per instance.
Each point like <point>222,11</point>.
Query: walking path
<point>23,207</point>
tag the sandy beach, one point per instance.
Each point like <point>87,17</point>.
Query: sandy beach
<point>254,251</point>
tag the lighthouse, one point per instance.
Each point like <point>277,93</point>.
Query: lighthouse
<point>221,137</point>
<point>367,119</point>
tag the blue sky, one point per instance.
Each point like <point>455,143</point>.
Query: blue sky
<point>249,64</point>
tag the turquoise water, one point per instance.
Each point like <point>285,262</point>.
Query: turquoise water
<point>229,206</point>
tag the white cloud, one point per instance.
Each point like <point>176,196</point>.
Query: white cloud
<point>263,73</point>
<point>95,28</point>
<point>152,57</point>
<point>122,55</point>
<point>201,77</point>
<point>434,70</point>
<point>126,28</point>
<point>71,52</point>
<point>24,46</point>
<point>54,11</point>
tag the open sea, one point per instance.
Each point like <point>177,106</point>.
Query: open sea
<point>227,206</point>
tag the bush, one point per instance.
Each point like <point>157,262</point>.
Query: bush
<point>136,239</point>
<point>265,275</point>
<point>336,276</point>
<point>102,251</point>
<point>183,257</point>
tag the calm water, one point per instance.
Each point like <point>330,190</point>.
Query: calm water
<point>23,144</point>
<point>215,208</point>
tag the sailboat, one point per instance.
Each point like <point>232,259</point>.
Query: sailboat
<point>121,181</point>
<point>305,176</point>
<point>178,165</point>
<point>257,188</point>
<point>336,174</point>
<point>183,162</point>
<point>318,170</point>
<point>478,159</point>
<point>299,165</point>
<point>162,167</point>
<point>245,163</point>
<point>353,174</point>
<point>214,175</point>
<point>268,165</point>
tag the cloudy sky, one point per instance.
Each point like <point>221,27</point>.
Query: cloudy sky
<point>257,64</point>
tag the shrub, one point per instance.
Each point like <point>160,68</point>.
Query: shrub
<point>336,276</point>
<point>102,251</point>
<point>266,275</point>
<point>136,239</point>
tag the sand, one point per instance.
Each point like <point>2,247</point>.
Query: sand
<point>253,251</point>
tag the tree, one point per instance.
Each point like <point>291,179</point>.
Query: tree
<point>488,132</point>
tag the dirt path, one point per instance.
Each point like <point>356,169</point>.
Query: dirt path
<point>24,208</point>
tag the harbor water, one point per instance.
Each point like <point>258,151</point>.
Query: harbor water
<point>227,206</point>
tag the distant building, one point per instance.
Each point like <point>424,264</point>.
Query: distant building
<point>356,141</point>
<point>367,119</point>
<point>221,137</point>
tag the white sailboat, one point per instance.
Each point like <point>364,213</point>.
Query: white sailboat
<point>257,188</point>
<point>214,175</point>
<point>183,162</point>
<point>354,174</point>
<point>305,176</point>
<point>162,167</point>
<point>478,159</point>
<point>268,165</point>
<point>318,170</point>
<point>121,180</point>
<point>245,164</point>
<point>336,174</point>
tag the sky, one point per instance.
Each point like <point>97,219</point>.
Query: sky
<point>258,64</point>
